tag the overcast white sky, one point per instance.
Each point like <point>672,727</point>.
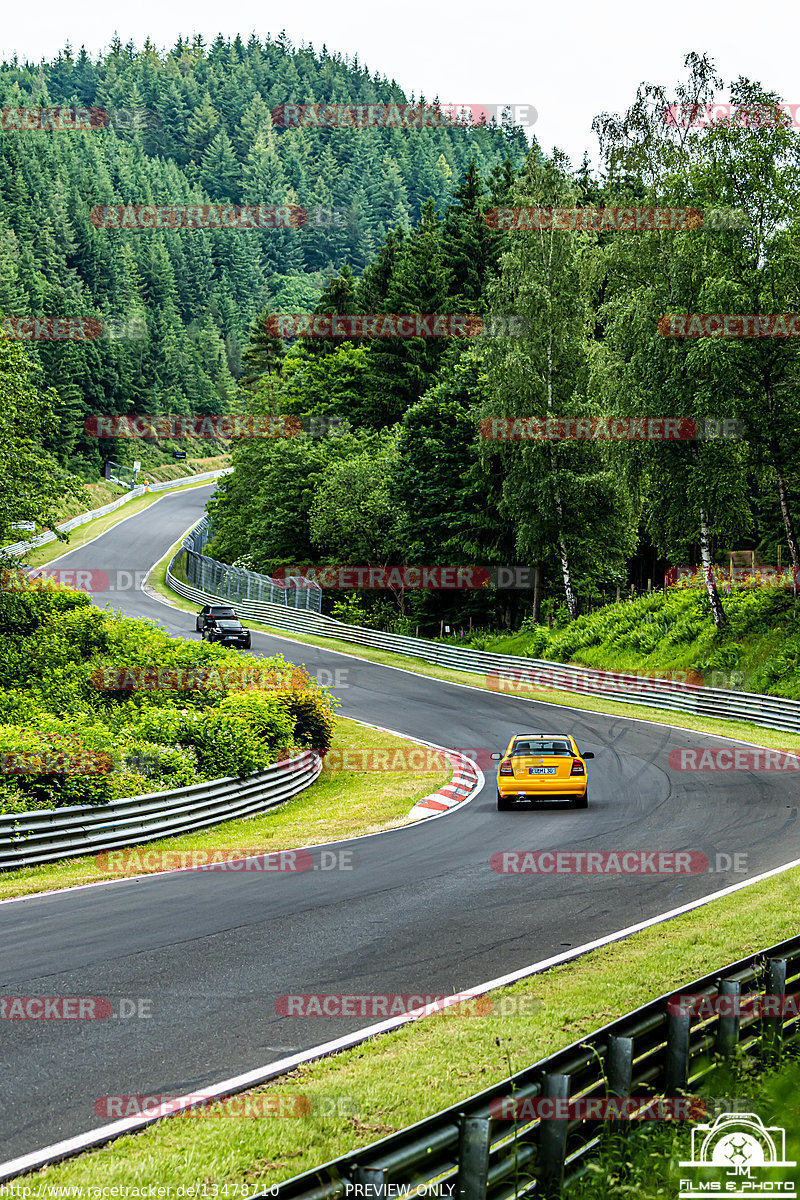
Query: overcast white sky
<point>570,60</point>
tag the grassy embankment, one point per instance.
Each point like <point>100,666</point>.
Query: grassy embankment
<point>758,650</point>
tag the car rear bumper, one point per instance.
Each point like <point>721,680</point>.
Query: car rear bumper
<point>557,789</point>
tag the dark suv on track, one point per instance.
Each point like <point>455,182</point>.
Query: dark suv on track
<point>214,612</point>
<point>227,632</point>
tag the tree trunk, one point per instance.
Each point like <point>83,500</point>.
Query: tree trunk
<point>718,612</point>
<point>537,594</point>
<point>572,602</point>
<point>788,523</point>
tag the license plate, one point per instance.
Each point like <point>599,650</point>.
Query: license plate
<point>541,770</point>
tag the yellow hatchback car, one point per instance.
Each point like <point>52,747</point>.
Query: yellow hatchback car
<point>542,767</point>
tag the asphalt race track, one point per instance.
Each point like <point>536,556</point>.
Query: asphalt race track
<point>421,911</point>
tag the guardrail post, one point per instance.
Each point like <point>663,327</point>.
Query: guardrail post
<point>676,1069</point>
<point>772,1027</point>
<point>728,1023</point>
<point>474,1139</point>
<point>374,1178</point>
<point>619,1065</point>
<point>553,1138</point>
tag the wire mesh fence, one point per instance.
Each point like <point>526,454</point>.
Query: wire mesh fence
<point>194,568</point>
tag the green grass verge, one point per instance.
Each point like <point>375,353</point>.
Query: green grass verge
<point>341,804</point>
<point>401,1077</point>
<point>758,650</point>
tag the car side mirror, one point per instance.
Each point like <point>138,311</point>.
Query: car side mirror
<point>497,757</point>
<point>588,754</point>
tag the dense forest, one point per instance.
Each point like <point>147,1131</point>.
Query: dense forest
<point>194,126</point>
<point>394,466</point>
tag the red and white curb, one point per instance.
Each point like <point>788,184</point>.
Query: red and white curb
<point>464,782</point>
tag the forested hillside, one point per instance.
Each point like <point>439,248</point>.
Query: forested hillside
<point>397,464</point>
<point>415,476</point>
<point>194,126</point>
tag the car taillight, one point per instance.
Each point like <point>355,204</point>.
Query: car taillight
<point>506,768</point>
<point>577,767</point>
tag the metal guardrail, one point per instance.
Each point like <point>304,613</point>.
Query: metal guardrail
<point>514,675</point>
<point>238,586</point>
<point>48,835</point>
<point>660,1049</point>
<point>42,539</point>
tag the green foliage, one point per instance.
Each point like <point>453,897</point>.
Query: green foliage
<point>71,734</point>
<point>312,713</point>
<point>32,485</point>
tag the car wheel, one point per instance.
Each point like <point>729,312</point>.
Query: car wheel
<point>502,803</point>
<point>198,626</point>
<point>581,801</point>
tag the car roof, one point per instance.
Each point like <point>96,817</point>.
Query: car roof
<point>514,736</point>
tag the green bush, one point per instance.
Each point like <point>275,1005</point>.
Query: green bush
<point>62,693</point>
<point>169,766</point>
<point>313,718</point>
<point>228,745</point>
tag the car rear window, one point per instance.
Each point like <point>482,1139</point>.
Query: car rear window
<point>235,625</point>
<point>542,746</point>
<point>221,612</point>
